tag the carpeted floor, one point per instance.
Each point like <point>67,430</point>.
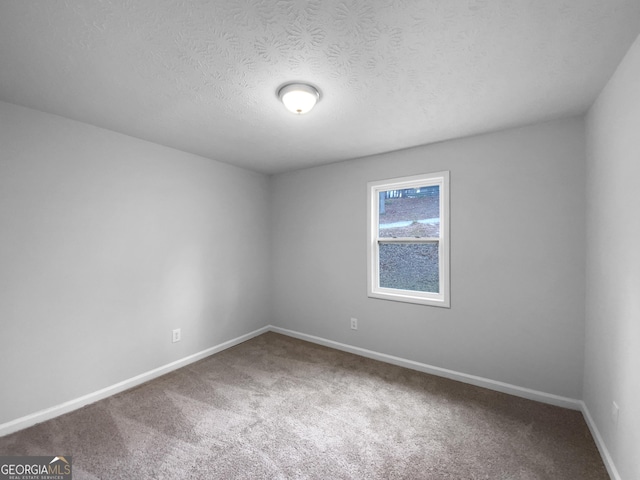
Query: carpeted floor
<point>276,407</point>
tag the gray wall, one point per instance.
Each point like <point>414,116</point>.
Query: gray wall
<point>517,257</point>
<point>107,243</point>
<point>612,358</point>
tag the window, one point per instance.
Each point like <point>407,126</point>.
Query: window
<point>409,239</point>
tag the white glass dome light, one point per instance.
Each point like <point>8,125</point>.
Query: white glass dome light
<point>299,98</point>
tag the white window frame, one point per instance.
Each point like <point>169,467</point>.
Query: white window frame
<point>439,299</point>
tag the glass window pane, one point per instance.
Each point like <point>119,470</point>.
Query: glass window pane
<point>409,266</point>
<point>412,212</point>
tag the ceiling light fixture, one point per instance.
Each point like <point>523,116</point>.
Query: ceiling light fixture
<point>298,98</point>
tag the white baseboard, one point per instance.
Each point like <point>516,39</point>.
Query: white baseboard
<point>602,448</point>
<point>66,407</point>
<point>528,393</point>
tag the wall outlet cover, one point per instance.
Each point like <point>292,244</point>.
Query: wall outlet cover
<point>176,335</point>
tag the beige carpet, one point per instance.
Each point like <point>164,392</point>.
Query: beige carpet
<point>275,407</point>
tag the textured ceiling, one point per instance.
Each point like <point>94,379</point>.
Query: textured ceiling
<point>201,76</point>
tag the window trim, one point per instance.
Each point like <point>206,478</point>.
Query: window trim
<point>374,290</point>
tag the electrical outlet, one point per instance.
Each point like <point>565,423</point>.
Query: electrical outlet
<point>615,411</point>
<point>354,324</point>
<point>176,335</point>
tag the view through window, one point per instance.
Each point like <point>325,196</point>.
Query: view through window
<point>412,214</point>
